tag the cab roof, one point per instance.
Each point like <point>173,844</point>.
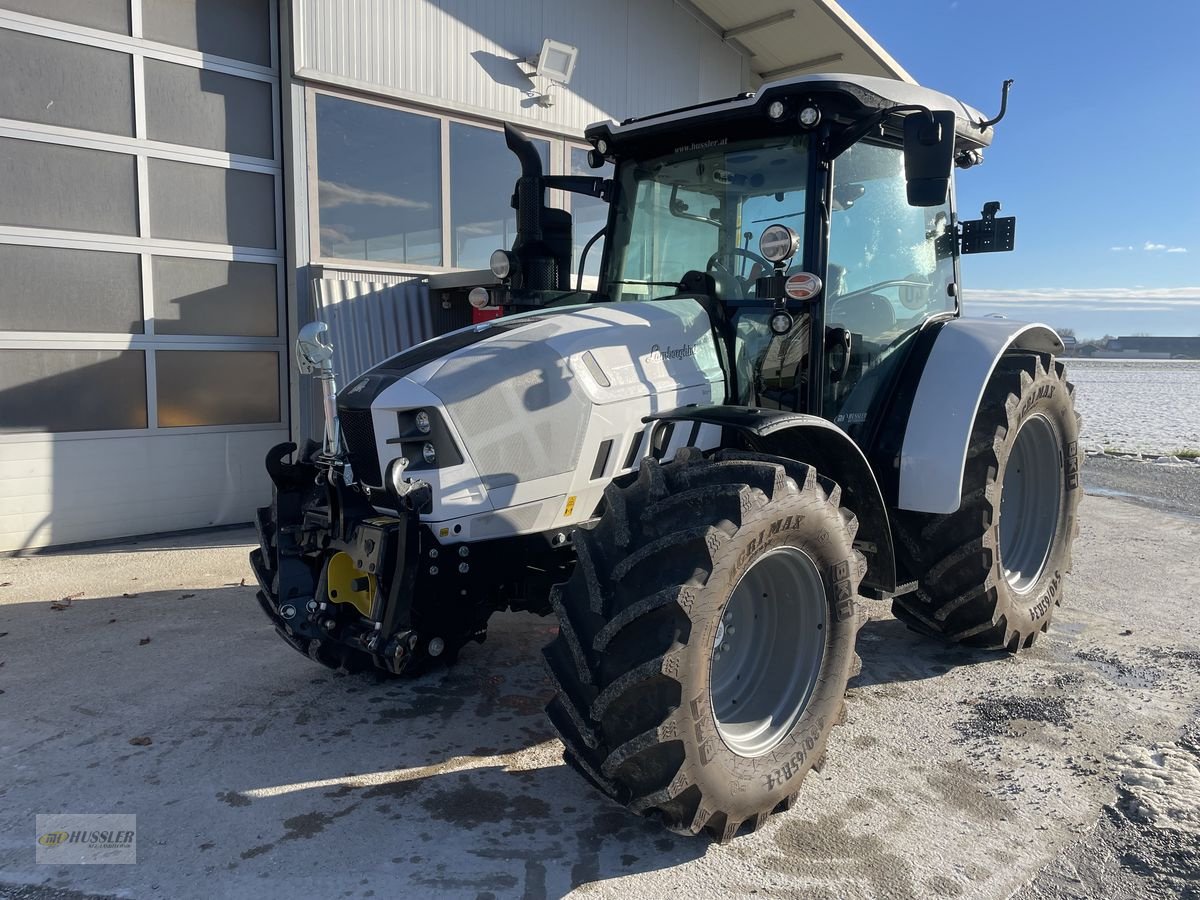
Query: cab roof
<point>851,94</point>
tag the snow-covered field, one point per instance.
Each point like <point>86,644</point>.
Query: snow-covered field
<point>1152,406</point>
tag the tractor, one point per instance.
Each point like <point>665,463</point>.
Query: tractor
<point>767,411</point>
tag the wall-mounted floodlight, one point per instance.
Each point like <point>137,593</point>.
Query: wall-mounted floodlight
<point>556,61</point>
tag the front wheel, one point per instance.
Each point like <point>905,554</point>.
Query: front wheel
<point>706,638</point>
<point>991,574</point>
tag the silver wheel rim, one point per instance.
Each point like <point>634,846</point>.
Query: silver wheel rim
<point>768,651</point>
<point>1030,499</point>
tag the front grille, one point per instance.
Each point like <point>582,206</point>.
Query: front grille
<point>358,432</point>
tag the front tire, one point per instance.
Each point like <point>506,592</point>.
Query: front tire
<point>706,638</point>
<point>991,574</point>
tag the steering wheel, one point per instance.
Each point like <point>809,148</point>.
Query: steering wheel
<point>715,261</point>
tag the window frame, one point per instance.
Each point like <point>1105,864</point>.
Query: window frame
<point>590,282</point>
<point>558,161</point>
<point>143,244</point>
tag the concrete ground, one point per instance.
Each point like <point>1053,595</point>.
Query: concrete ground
<point>1069,771</point>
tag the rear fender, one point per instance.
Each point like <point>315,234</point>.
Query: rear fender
<point>817,441</point>
<point>958,369</point>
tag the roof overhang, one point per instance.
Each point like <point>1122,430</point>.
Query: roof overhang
<point>782,38</point>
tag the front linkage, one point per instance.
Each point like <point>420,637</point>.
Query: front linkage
<point>355,589</point>
<point>336,577</point>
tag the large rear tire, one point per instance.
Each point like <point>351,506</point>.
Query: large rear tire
<point>706,638</point>
<point>991,573</point>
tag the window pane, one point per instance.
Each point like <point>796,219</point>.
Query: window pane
<point>204,203</point>
<point>239,29</point>
<point>56,289</point>
<point>588,215</point>
<point>217,387</point>
<point>107,15</point>
<point>483,172</point>
<point>52,186</point>
<point>72,390</point>
<point>889,270</point>
<point>209,109</point>
<point>379,183</point>
<point>61,83</point>
<point>213,296</point>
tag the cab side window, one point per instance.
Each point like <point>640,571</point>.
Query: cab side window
<point>890,269</point>
<point>893,263</point>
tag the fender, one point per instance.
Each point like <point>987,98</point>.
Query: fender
<point>811,439</point>
<point>960,365</point>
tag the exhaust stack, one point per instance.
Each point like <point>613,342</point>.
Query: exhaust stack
<point>543,242</point>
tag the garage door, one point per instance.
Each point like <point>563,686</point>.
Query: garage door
<point>142,356</point>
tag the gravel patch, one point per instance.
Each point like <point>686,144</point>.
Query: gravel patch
<point>995,715</point>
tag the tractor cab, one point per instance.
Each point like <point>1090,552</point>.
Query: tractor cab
<point>815,220</point>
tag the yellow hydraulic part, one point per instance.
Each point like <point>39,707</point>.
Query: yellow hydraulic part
<point>349,584</point>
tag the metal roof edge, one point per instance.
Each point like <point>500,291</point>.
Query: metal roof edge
<point>832,9</point>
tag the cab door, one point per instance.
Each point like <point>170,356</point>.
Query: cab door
<point>891,268</point>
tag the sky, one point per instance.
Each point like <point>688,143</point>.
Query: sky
<point>1098,157</point>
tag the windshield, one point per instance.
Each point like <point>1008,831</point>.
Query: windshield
<point>703,211</point>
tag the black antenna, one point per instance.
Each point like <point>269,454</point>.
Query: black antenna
<point>1008,82</point>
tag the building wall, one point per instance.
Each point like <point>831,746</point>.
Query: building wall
<point>142,331</point>
<point>635,56</point>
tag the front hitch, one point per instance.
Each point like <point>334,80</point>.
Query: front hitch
<point>335,577</point>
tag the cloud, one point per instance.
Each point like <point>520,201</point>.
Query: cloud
<point>1149,247</point>
<point>332,194</point>
<point>332,235</point>
<point>1089,299</point>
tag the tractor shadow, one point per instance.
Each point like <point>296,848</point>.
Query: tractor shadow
<point>893,653</point>
<point>259,761</point>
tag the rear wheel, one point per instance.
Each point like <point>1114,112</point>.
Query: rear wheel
<point>991,574</point>
<point>706,638</point>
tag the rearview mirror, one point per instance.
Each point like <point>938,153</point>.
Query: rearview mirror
<point>928,156</point>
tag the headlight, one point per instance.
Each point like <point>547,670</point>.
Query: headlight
<point>479,297</point>
<point>778,243</point>
<point>776,109</point>
<point>423,439</point>
<point>501,264</point>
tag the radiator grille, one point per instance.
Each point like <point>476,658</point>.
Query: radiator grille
<point>359,434</point>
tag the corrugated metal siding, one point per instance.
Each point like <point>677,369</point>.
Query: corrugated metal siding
<point>380,278</point>
<point>635,56</point>
<point>369,321</point>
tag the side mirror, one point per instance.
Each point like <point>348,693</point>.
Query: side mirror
<point>928,156</point>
